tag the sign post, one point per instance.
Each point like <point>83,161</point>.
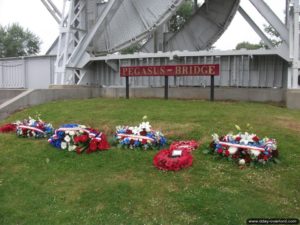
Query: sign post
<point>166,87</point>
<point>211,70</point>
<point>212,88</point>
<point>127,87</point>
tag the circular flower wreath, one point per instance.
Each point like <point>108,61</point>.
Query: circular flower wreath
<point>177,157</point>
<point>141,136</point>
<point>79,138</point>
<point>34,128</point>
<point>165,160</point>
<point>245,148</point>
<point>9,127</point>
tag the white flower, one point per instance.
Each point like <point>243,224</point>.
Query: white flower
<point>215,137</point>
<point>135,130</point>
<point>31,121</point>
<point>242,162</point>
<point>66,132</point>
<point>146,126</point>
<point>63,145</point>
<point>118,128</point>
<point>255,152</point>
<point>71,148</point>
<point>72,133</point>
<point>232,150</point>
<point>145,117</point>
<point>18,122</point>
<point>246,138</point>
<point>67,138</point>
<point>33,133</point>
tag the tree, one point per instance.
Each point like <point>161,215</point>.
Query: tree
<point>182,15</point>
<point>248,46</point>
<point>16,41</point>
<point>272,34</point>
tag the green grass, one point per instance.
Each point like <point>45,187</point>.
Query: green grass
<point>41,185</point>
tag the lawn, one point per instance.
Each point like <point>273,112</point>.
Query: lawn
<point>42,185</point>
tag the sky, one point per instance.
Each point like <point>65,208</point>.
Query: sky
<point>33,15</point>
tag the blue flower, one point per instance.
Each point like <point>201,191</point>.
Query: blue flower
<point>136,143</point>
<point>150,135</point>
<point>163,140</point>
<point>60,134</point>
<point>69,125</point>
<point>57,144</point>
<point>127,141</point>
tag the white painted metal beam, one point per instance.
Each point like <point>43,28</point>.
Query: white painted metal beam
<point>272,18</point>
<point>254,26</point>
<point>81,48</point>
<point>51,7</point>
<point>296,62</point>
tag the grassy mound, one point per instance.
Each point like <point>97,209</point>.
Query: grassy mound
<point>42,185</point>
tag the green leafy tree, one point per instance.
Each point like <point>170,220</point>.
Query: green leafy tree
<point>248,46</point>
<point>132,49</point>
<point>16,41</point>
<point>182,15</point>
<point>273,35</point>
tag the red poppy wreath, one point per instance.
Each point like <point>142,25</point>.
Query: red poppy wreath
<point>172,160</point>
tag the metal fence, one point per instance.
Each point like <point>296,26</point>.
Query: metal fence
<point>257,71</point>
<point>28,72</point>
<point>261,71</point>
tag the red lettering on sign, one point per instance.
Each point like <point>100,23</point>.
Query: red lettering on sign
<point>171,70</point>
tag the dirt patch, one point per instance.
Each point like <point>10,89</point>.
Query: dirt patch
<point>288,123</point>
<point>175,130</point>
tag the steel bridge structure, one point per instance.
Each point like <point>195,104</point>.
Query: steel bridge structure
<point>93,32</point>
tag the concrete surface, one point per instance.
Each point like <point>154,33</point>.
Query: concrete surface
<point>6,94</point>
<point>293,99</point>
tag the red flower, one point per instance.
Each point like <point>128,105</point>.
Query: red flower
<point>76,139</point>
<point>255,139</point>
<point>24,131</point>
<point>238,138</point>
<point>227,153</point>
<point>103,145</point>
<point>8,128</point>
<point>143,133</point>
<point>220,150</point>
<point>93,145</point>
<point>144,141</point>
<point>129,131</point>
<point>266,158</point>
<point>84,138</point>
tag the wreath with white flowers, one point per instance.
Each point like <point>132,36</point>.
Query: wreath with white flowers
<point>139,137</point>
<point>79,138</point>
<point>33,128</point>
<point>245,148</point>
